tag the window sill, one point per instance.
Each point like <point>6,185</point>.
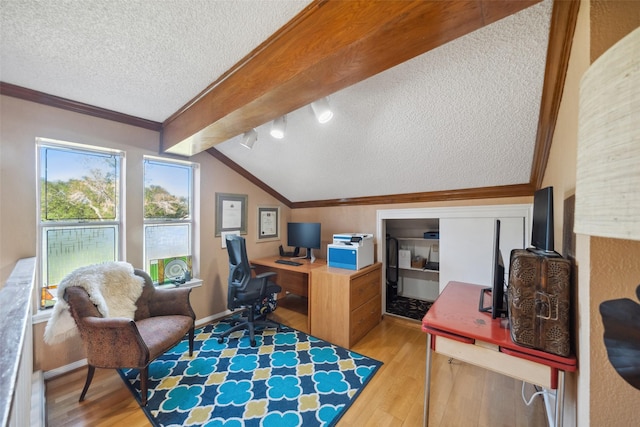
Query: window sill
<point>193,283</point>
<point>43,315</point>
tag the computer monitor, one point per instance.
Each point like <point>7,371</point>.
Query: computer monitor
<point>542,229</point>
<point>498,307</point>
<point>304,235</point>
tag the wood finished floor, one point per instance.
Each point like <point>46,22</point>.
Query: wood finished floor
<point>461,395</point>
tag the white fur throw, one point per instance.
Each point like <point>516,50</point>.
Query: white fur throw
<point>112,287</point>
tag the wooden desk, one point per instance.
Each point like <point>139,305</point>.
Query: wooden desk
<point>345,304</point>
<point>456,328</point>
<point>294,279</point>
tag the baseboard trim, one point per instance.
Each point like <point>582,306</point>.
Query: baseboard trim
<point>56,372</point>
<point>213,317</point>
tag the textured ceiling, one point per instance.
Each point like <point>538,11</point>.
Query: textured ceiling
<point>461,116</point>
<point>145,58</point>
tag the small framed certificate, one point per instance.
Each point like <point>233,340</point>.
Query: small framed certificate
<point>268,223</point>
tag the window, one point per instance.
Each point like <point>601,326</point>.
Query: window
<point>168,219</point>
<point>80,210</point>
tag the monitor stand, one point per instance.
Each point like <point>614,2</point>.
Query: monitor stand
<point>485,308</point>
<point>500,312</point>
<point>308,256</point>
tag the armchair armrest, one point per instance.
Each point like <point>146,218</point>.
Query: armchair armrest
<point>165,302</point>
<point>79,302</point>
<point>113,342</point>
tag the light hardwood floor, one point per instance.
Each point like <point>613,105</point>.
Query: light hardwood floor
<point>461,394</point>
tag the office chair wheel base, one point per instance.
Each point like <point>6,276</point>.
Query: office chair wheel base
<point>220,340</point>
<point>253,343</point>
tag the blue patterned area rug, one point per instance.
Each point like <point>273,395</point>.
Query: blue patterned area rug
<point>288,379</point>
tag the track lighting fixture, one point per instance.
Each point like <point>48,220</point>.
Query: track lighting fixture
<point>249,138</point>
<point>322,110</point>
<point>278,127</point>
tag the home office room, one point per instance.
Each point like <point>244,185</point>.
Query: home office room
<point>295,210</point>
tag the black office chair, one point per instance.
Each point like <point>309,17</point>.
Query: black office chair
<point>245,291</point>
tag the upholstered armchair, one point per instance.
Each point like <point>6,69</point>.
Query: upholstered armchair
<point>162,318</point>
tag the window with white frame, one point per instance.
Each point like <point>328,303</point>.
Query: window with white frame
<point>168,219</point>
<point>80,209</point>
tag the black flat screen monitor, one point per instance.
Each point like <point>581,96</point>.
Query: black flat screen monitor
<point>498,307</point>
<point>542,227</point>
<point>304,235</point>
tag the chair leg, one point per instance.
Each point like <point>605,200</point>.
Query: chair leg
<point>90,371</point>
<point>191,336</point>
<point>268,324</point>
<point>252,334</point>
<point>144,373</point>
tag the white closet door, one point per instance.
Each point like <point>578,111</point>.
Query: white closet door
<point>466,248</point>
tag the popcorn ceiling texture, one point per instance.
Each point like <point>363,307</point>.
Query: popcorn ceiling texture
<point>461,116</point>
<point>146,58</point>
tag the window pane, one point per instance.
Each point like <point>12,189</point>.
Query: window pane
<point>167,190</point>
<point>78,185</point>
<point>69,248</point>
<point>163,243</point>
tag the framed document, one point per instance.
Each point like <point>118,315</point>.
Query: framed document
<point>268,223</point>
<point>231,213</point>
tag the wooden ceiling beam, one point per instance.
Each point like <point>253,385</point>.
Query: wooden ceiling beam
<point>328,46</point>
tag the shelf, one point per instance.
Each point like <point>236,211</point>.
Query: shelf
<point>424,270</point>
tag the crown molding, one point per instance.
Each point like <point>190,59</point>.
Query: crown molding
<point>75,106</point>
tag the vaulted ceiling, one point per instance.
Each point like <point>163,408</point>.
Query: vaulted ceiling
<point>431,99</point>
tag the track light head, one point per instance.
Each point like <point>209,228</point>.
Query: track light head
<point>278,127</point>
<point>322,110</point>
<point>249,138</point>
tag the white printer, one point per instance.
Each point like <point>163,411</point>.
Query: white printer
<point>352,251</point>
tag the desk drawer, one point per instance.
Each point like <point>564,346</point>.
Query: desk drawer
<point>364,318</point>
<point>487,356</point>
<point>365,287</point>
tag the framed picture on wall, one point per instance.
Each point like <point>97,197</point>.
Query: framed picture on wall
<point>268,223</point>
<point>231,213</point>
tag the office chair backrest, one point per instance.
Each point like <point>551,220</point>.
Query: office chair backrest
<point>239,267</point>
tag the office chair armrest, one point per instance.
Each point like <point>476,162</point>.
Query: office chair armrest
<point>266,274</point>
<point>264,281</point>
